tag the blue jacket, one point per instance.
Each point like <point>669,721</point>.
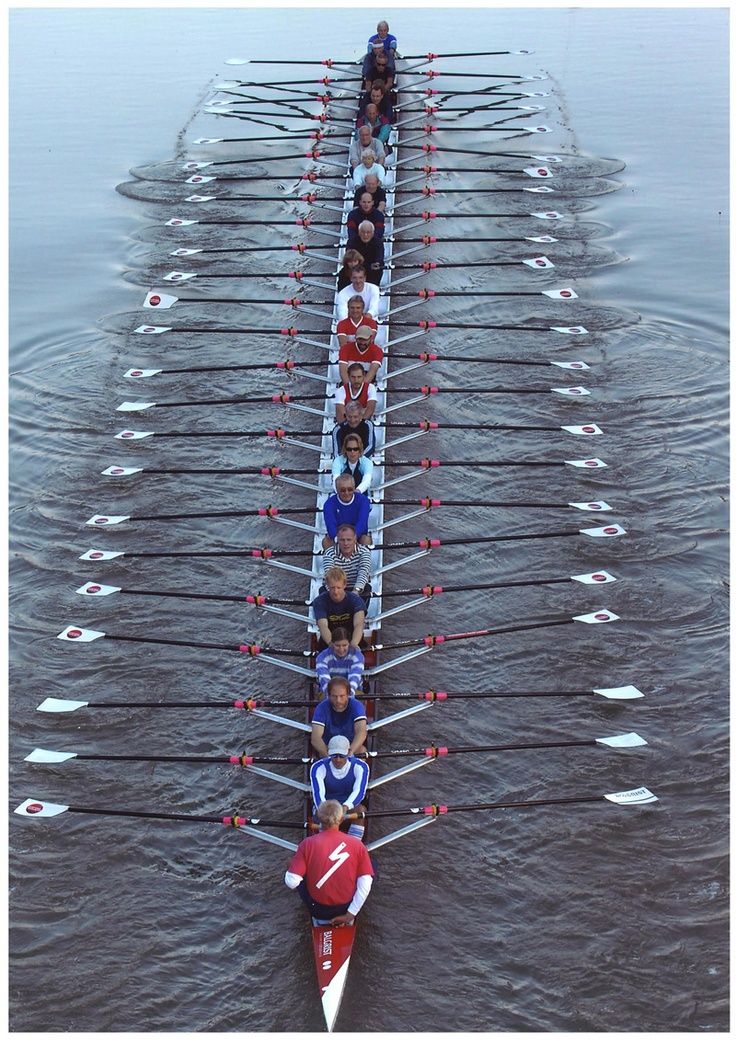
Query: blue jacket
<point>354,512</point>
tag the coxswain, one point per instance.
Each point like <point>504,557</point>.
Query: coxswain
<point>375,190</point>
<point>364,140</point>
<point>354,423</point>
<point>371,251</point>
<point>348,327</point>
<point>379,124</point>
<point>340,659</point>
<point>331,871</point>
<point>382,40</point>
<point>368,164</point>
<point>357,389</point>
<point>364,351</point>
<point>365,210</point>
<point>358,287</point>
<point>346,506</point>
<point>341,715</point>
<point>354,559</point>
<point>342,777</point>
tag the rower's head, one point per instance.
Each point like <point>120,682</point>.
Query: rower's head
<point>366,230</point>
<point>338,691</point>
<point>382,29</point>
<point>330,813</point>
<point>371,111</point>
<point>350,260</point>
<point>356,304</point>
<point>371,182</point>
<point>377,92</point>
<point>346,542</point>
<point>345,487</point>
<point>340,639</point>
<point>356,375</point>
<point>366,201</point>
<point>368,157</point>
<point>354,413</point>
<point>364,135</point>
<point>381,60</point>
<point>357,278</point>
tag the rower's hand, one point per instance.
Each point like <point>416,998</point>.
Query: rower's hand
<point>343,919</point>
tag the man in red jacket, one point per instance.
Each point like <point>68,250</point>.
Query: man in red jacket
<point>331,871</point>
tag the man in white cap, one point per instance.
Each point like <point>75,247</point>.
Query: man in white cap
<point>340,776</point>
<point>331,871</point>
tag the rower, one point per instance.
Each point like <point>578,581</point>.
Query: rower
<point>342,777</point>
<point>340,659</point>
<point>362,350</point>
<point>354,559</point>
<point>339,714</point>
<point>379,124</point>
<point>379,66</point>
<point>346,506</point>
<point>351,258</point>
<point>347,328</point>
<point>374,189</point>
<point>364,140</point>
<point>380,97</point>
<point>365,209</point>
<point>333,866</point>
<point>358,287</point>
<point>354,423</point>
<point>370,249</point>
<point>368,164</point>
<point>382,40</point>
<point>338,609</point>
<point>357,389</point>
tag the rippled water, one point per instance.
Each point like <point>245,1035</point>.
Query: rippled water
<point>563,919</point>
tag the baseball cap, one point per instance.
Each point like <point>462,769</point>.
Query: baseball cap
<point>338,745</point>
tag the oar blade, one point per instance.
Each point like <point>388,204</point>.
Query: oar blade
<point>631,740</point>
<point>47,755</point>
<point>96,589</point>
<point>60,705</point>
<point>625,693</point>
<point>633,797</point>
<point>595,578</point>
<point>75,634</point>
<point>597,617</point>
<point>36,808</point>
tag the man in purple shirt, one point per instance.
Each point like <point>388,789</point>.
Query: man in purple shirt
<point>338,609</point>
<point>346,506</point>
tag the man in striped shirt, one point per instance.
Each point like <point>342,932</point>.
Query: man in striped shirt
<point>340,659</point>
<point>343,777</point>
<point>353,558</point>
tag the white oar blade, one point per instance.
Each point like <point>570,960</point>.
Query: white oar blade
<point>626,693</point>
<point>595,578</point>
<point>152,330</point>
<point>587,430</point>
<point>200,198</point>
<point>596,617</point>
<point>161,301</point>
<point>141,374</point>
<point>193,165</point>
<point>610,531</point>
<point>237,61</point>
<point>95,589</point>
<point>179,222</point>
<point>587,464</point>
<point>561,294</point>
<point>134,435</point>
<point>179,276</point>
<point>597,504</point>
<point>569,330</point>
<point>540,129</point>
<point>45,755</point>
<point>101,520</point>
<point>549,215</point>
<point>199,179</point>
<point>135,406</point>
<point>60,705</point>
<point>36,808</point>
<point>532,108</point>
<point>121,471</point>
<point>539,263</point>
<point>76,634</point>
<point>571,392</point>
<point>621,741</point>
<point>183,252</point>
<point>634,797</point>
<point>545,158</point>
<point>537,171</point>
<point>539,190</point>
<point>100,554</point>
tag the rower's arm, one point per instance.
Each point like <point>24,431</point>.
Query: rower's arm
<point>344,379</point>
<point>360,733</point>
<point>324,632</point>
<point>316,740</point>
<point>374,367</point>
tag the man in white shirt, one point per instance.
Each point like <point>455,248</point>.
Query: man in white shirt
<point>365,142</point>
<point>358,287</point>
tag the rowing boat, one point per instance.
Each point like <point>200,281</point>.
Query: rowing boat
<point>332,946</point>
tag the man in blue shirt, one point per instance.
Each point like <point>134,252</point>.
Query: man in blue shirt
<point>338,609</point>
<point>339,715</point>
<point>340,776</point>
<point>346,506</point>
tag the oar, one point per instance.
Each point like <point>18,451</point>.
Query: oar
<point>182,222</point>
<point>49,756</point>
<point>39,808</point>
<point>430,56</point>
<point>625,693</point>
<point>633,797</point>
<point>156,300</point>
<point>77,634</point>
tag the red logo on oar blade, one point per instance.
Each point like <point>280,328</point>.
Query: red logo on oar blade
<point>73,634</point>
<point>34,807</point>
